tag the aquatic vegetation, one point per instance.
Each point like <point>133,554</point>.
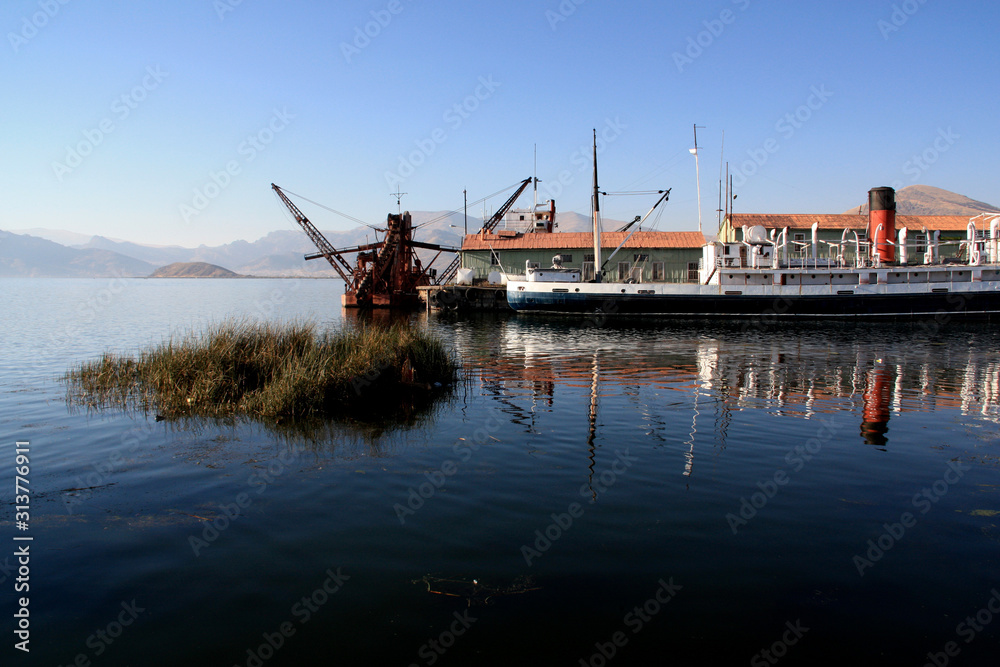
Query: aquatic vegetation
<point>274,370</point>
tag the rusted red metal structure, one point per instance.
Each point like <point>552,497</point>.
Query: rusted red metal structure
<point>386,274</point>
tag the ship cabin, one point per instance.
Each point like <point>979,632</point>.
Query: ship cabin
<point>807,251</point>
<point>828,230</point>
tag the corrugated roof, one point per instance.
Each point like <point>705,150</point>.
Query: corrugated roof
<point>583,240</point>
<point>940,222</point>
<point>849,220</point>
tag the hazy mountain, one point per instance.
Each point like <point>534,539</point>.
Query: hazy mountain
<point>30,256</point>
<point>60,236</point>
<point>156,255</point>
<point>287,264</point>
<point>279,253</point>
<point>928,200</point>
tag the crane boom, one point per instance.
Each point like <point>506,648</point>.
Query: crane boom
<point>490,224</point>
<point>326,249</point>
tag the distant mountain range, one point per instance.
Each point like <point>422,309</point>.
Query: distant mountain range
<point>61,254</point>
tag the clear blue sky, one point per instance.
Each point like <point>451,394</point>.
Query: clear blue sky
<point>117,115</point>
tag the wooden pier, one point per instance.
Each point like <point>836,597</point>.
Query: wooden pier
<point>486,296</point>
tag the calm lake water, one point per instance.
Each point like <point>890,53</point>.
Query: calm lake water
<point>592,493</point>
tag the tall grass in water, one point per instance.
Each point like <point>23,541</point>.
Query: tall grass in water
<point>266,370</point>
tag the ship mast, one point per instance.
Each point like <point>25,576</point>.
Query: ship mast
<point>697,174</point>
<point>596,208</point>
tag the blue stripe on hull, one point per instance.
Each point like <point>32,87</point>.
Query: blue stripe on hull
<point>954,304</point>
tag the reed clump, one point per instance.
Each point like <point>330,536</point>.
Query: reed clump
<point>267,370</point>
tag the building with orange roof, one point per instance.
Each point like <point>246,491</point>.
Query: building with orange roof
<point>647,256</point>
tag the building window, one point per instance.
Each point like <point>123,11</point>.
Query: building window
<point>635,275</point>
<point>658,274</point>
<point>641,258</point>
<point>692,272</point>
<point>623,271</point>
<point>589,258</point>
<point>494,259</point>
<point>921,240</point>
<point>798,236</point>
<point>566,258</point>
<point>588,270</point>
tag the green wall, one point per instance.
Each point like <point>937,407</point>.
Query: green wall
<point>675,261</point>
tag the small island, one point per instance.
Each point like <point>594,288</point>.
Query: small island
<point>269,370</point>
<point>193,270</point>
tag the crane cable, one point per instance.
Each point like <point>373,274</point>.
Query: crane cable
<point>378,229</point>
<point>478,201</point>
<point>343,215</point>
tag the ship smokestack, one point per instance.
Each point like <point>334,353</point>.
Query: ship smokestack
<point>882,223</point>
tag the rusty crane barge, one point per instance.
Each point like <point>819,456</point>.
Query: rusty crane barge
<point>387,273</point>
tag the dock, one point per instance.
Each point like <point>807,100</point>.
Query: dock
<point>485,296</point>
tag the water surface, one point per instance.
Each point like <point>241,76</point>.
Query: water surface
<point>660,493</point>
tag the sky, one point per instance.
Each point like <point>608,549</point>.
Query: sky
<point>166,123</point>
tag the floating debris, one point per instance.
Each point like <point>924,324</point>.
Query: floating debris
<point>475,592</point>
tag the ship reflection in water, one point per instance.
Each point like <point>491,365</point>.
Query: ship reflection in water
<point>797,372</point>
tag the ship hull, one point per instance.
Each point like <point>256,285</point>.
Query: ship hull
<point>975,300</point>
